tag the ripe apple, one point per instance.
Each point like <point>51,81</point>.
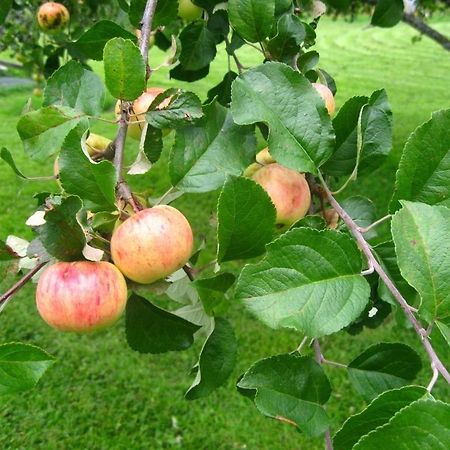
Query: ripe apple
<point>327,95</point>
<point>188,11</point>
<point>288,190</point>
<point>140,107</point>
<point>152,244</point>
<point>53,17</point>
<point>81,296</point>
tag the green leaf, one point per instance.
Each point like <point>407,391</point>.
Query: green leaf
<point>301,136</point>
<point>79,175</point>
<point>198,46</point>
<point>388,260</point>
<point>444,329</point>
<point>372,119</point>
<point>223,90</point>
<point>246,217</point>
<point>382,367</point>
<point>212,292</point>
<point>252,19</point>
<point>62,234</point>
<point>179,73</point>
<point>345,125</point>
<point>43,131</point>
<point>316,222</point>
<point>73,86</point>
<point>5,154</point>
<point>307,61</point>
<point>387,13</point>
<point>5,6</point>
<point>425,424</point>
<point>150,329</point>
<point>124,69</point>
<point>92,42</point>
<point>423,175</point>
<point>149,154</point>
<point>378,413</point>
<point>217,360</point>
<point>221,148</point>
<point>184,107</point>
<point>290,388</point>
<point>310,280</point>
<point>290,36</point>
<point>165,14</point>
<point>420,235</point>
<point>362,211</point>
<point>22,366</point>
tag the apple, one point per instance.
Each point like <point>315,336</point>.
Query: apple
<point>37,92</point>
<point>327,95</point>
<point>152,244</point>
<point>81,296</point>
<point>188,11</point>
<point>53,17</point>
<point>95,143</point>
<point>288,190</point>
<point>140,107</point>
<point>264,157</point>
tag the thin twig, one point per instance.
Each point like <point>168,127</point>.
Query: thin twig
<point>239,66</point>
<point>146,30</point>
<point>302,344</point>
<point>333,363</point>
<point>19,285</point>
<point>320,360</point>
<point>189,272</point>
<point>365,248</point>
<point>373,225</point>
<point>434,378</point>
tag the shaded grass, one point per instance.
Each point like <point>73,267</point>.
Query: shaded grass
<point>100,394</point>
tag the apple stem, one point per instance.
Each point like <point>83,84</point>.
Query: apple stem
<point>4,298</point>
<point>366,249</point>
<point>189,272</point>
<point>320,360</point>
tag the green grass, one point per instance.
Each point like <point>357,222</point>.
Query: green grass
<point>102,395</point>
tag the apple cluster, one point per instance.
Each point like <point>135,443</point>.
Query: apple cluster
<point>154,242</point>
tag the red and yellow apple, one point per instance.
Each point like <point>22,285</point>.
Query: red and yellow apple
<point>327,95</point>
<point>140,107</point>
<point>152,244</point>
<point>81,296</point>
<point>288,190</point>
<point>188,11</point>
<point>53,17</point>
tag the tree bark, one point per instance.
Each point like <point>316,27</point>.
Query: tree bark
<point>425,29</point>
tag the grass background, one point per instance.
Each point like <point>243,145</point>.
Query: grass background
<point>102,395</point>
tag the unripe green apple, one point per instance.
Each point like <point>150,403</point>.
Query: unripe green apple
<point>81,296</point>
<point>140,107</point>
<point>327,95</point>
<point>152,244</point>
<point>288,190</point>
<point>188,11</point>
<point>96,143</point>
<point>53,17</point>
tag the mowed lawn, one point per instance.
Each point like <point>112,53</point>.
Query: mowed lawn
<point>102,395</point>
